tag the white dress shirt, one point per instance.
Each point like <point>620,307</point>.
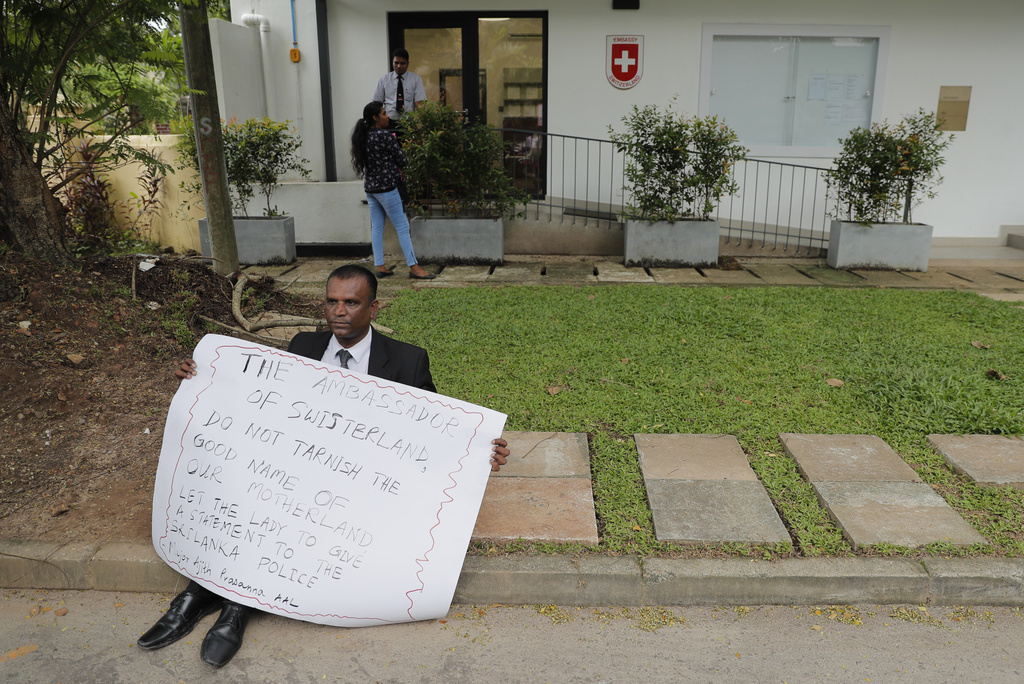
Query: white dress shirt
<point>360,351</point>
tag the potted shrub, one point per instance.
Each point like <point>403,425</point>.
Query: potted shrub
<point>257,152</point>
<point>880,175</point>
<point>457,187</point>
<point>677,169</point>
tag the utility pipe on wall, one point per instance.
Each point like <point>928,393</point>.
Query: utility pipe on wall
<point>298,75</point>
<point>269,94</point>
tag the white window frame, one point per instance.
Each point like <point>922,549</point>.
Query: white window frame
<point>881,33</point>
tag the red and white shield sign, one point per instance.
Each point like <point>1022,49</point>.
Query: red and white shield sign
<point>625,61</point>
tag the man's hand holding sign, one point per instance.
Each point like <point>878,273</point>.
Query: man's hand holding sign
<point>293,485</point>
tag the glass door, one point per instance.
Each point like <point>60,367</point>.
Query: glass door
<point>491,66</point>
<point>435,55</point>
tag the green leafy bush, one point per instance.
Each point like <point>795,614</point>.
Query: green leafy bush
<point>887,168</point>
<point>257,152</point>
<point>455,167</point>
<point>676,166</point>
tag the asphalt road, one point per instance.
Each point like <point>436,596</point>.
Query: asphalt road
<point>94,642</point>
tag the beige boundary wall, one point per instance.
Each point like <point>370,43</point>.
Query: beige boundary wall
<point>176,224</point>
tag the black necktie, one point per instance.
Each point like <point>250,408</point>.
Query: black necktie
<point>400,97</point>
<point>344,357</point>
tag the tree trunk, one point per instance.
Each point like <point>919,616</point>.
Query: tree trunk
<point>31,218</point>
<point>195,36</point>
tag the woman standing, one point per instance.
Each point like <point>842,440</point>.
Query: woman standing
<point>377,159</point>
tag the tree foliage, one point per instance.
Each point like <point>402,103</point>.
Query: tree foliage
<point>68,68</point>
<point>884,171</point>
<point>676,166</point>
<point>455,166</point>
<point>257,152</point>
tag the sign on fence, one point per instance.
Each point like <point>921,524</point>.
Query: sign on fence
<point>315,492</point>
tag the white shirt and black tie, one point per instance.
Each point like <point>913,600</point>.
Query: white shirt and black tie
<point>356,357</point>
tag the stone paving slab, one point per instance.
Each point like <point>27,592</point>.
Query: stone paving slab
<point>693,457</point>
<point>986,278</point>
<point>901,513</point>
<point>551,509</point>
<point>612,272</point>
<point>573,272</point>
<point>546,454</point>
<point>989,460</point>
<point>701,488</point>
<point>1004,296</point>
<point>718,277</point>
<point>1013,270</point>
<point>468,274</point>
<point>780,274</point>
<point>713,511</point>
<point>886,278</point>
<point>678,276</point>
<point>846,458</point>
<point>833,278</point>
<point>525,274</point>
<point>940,280</point>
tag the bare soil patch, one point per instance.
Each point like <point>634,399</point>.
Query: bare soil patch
<point>86,377</point>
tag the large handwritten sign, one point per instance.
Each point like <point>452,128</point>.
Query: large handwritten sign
<point>315,492</point>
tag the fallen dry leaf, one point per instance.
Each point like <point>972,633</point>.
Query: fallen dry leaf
<point>993,373</point>
<point>62,396</point>
<point>76,358</point>
<point>979,345</point>
<point>625,360</point>
<point>18,652</point>
<point>554,390</point>
<point>835,382</point>
<point>60,612</point>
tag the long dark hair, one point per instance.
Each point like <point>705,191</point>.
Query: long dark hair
<point>361,133</point>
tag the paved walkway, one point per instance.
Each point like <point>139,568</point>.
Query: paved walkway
<point>700,488</point>
<point>1001,276</point>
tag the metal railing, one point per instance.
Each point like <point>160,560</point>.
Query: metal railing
<point>572,179</point>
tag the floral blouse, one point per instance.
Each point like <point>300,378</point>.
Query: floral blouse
<point>384,159</point>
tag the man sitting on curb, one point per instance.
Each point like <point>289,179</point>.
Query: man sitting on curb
<point>350,306</point>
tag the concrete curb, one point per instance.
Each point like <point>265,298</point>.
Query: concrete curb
<point>587,580</point>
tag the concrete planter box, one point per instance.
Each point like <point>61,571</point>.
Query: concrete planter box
<point>458,240</point>
<point>261,240</point>
<point>888,246</point>
<point>683,243</point>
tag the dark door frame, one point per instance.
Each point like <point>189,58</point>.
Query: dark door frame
<point>467,21</point>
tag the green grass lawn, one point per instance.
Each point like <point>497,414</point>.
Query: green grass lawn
<point>614,361</point>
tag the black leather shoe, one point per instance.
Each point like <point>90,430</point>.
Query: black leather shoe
<point>429,276</point>
<point>187,609</point>
<point>225,637</point>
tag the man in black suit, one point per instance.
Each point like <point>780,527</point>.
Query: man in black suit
<point>349,307</point>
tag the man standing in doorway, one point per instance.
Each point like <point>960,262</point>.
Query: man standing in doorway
<point>399,90</point>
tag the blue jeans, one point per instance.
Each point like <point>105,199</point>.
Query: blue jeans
<point>389,203</point>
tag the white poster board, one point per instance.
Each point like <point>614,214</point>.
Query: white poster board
<point>315,492</point>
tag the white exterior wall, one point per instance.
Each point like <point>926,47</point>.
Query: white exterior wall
<point>236,66</point>
<point>933,43</point>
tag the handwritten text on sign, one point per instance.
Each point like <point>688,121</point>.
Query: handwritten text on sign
<point>316,492</point>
